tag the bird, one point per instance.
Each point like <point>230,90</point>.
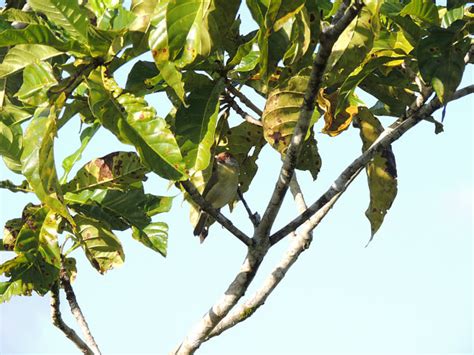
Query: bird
<point>220,189</point>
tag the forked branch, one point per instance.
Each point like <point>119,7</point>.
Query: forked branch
<point>388,136</point>
<point>328,38</point>
<point>76,310</point>
<point>219,217</point>
<point>58,321</point>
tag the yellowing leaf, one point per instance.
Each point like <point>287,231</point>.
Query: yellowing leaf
<point>381,171</point>
<point>335,123</point>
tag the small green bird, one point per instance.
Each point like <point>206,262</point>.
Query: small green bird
<point>220,189</point>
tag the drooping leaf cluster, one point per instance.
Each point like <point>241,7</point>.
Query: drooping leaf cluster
<point>58,63</point>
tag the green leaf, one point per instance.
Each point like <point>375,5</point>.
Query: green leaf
<point>37,79</point>
<point>103,249</point>
<point>38,34</point>
<point>138,76</point>
<point>34,239</point>
<point>117,170</point>
<point>134,122</point>
<point>196,125</point>
<point>441,60</point>
<point>309,159</point>
<point>38,161</point>
<point>154,236</point>
<point>352,47</point>
<point>424,10</point>
<point>21,55</point>
<point>72,159</point>
<point>394,89</point>
<point>10,144</point>
<point>143,10</point>
<point>357,76</point>
<point>67,14</point>
<point>9,289</point>
<point>381,171</point>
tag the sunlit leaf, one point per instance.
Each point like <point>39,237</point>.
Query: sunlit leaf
<point>102,247</point>
<point>38,161</point>
<point>65,13</point>
<point>352,46</point>
<point>72,159</point>
<point>424,10</point>
<point>133,121</point>
<point>195,125</point>
<point>37,79</point>
<point>116,170</point>
<point>154,236</point>
<point>21,55</point>
<point>39,34</point>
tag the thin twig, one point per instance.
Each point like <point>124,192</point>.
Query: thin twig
<point>244,99</point>
<point>327,39</point>
<point>76,310</point>
<point>388,136</point>
<point>228,99</point>
<point>254,217</point>
<point>59,322</point>
<point>219,217</point>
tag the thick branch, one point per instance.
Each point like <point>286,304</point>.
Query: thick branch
<point>245,100</point>
<point>219,217</point>
<point>387,137</point>
<point>59,322</point>
<point>328,37</point>
<point>76,311</point>
<point>221,308</point>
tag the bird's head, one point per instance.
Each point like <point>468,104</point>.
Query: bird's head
<point>227,159</point>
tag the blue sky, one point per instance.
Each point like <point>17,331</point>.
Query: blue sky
<point>408,292</point>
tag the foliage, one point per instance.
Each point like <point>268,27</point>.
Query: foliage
<point>58,66</point>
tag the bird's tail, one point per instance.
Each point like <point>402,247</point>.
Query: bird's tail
<point>201,228</point>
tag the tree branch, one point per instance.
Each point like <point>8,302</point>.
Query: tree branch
<point>228,99</point>
<point>254,217</point>
<point>219,217</point>
<point>244,99</point>
<point>221,308</point>
<point>59,322</point>
<point>328,37</point>
<point>76,310</point>
<point>388,136</point>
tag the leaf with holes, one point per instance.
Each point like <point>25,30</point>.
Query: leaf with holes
<point>441,59</point>
<point>282,110</point>
<point>117,170</point>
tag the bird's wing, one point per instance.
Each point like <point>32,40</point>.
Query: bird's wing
<point>212,179</point>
